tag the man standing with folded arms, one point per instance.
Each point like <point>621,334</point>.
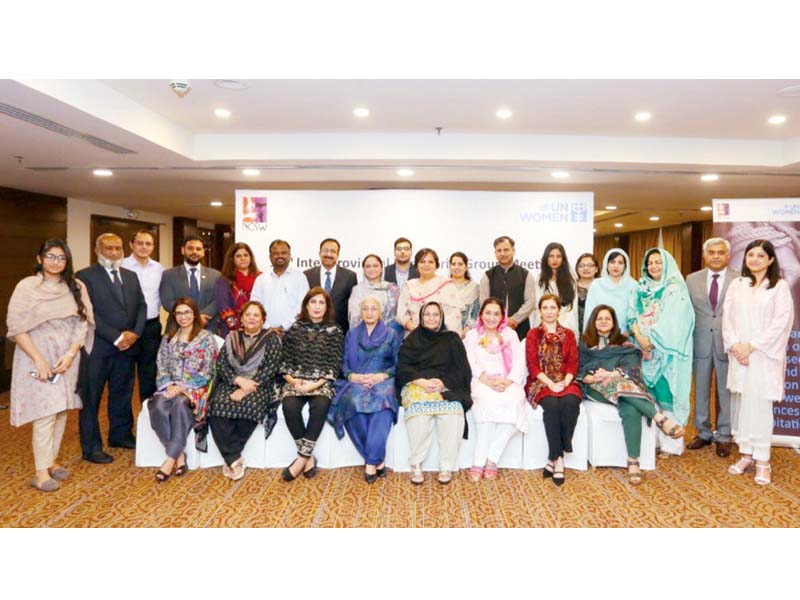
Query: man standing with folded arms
<point>120,313</point>
<point>149,273</point>
<point>707,289</point>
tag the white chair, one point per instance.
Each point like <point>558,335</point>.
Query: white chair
<point>253,453</point>
<point>149,450</point>
<point>607,441</point>
<point>535,446</point>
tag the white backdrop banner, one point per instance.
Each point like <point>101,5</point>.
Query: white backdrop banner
<point>741,221</point>
<point>369,221</point>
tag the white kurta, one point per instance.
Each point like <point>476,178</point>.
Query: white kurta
<point>489,406</point>
<point>762,317</point>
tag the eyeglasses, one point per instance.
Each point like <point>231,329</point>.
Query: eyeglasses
<point>56,257</point>
<point>183,313</point>
<point>403,248</point>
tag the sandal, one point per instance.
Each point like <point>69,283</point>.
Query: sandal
<point>763,474</point>
<point>417,478</point>
<point>475,474</point>
<point>634,477</point>
<point>558,476</point>
<point>490,472</point>
<point>670,427</point>
<point>445,477</point>
<point>743,465</point>
<point>237,469</point>
<point>161,477</point>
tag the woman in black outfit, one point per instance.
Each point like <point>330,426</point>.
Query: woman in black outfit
<point>312,358</point>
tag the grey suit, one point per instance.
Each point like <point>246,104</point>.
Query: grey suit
<point>175,284</point>
<point>709,354</point>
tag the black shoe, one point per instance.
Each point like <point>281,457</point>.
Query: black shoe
<point>99,457</point>
<point>312,471</point>
<point>547,471</point>
<point>128,444</point>
<point>370,477</point>
<point>381,472</point>
<point>287,473</point>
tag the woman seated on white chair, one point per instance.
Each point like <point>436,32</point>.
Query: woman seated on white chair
<point>185,367</point>
<point>433,378</point>
<point>243,394</point>
<point>611,372</point>
<point>497,361</point>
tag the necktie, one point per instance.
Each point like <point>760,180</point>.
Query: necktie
<point>118,287</point>
<point>328,281</point>
<point>194,289</point>
<point>713,293</point>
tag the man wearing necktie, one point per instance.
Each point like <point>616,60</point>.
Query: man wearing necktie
<point>192,279</point>
<point>707,289</point>
<point>120,313</point>
<point>337,281</point>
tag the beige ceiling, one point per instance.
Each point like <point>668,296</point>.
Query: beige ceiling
<point>302,134</point>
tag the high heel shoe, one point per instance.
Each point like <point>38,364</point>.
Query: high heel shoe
<point>743,465</point>
<point>371,477</point>
<point>763,474</point>
<point>287,472</point>
<point>548,470</point>
<point>558,476</point>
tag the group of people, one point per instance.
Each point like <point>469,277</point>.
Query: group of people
<point>240,344</point>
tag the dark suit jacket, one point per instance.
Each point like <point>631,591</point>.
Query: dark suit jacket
<point>343,284</point>
<point>390,273</point>
<point>111,318</point>
<point>175,284</point>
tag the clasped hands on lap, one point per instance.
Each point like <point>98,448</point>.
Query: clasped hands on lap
<point>498,383</point>
<point>602,376</point>
<point>430,385</point>
<point>367,379</point>
<point>304,387</point>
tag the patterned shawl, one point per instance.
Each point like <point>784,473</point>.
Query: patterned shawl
<point>550,356</point>
<point>312,350</point>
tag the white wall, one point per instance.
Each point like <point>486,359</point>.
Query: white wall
<point>79,230</point>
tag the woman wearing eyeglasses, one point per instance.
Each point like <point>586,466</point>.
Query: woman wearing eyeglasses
<point>50,318</point>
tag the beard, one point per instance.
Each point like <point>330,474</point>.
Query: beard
<point>191,261</point>
<point>112,265</point>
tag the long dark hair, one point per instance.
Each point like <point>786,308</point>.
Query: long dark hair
<point>564,281</point>
<point>197,326</point>
<point>229,267</point>
<point>67,275</point>
<point>330,313</point>
<point>773,271</point>
<point>590,336</point>
<point>463,257</point>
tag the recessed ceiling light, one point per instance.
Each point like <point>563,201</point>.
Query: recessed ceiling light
<point>654,218</point>
<point>643,116</point>
<point>231,84</point>
<point>216,203</point>
<point>560,174</point>
<point>777,120</point>
<point>405,172</point>
<point>361,112</point>
<point>617,225</point>
<point>611,207</point>
<point>709,177</point>
<point>504,113</point>
<point>251,172</point>
<point>102,172</point>
<point>222,113</point>
<point>706,208</point>
<point>792,90</point>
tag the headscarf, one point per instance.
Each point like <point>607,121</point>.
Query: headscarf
<point>664,313</point>
<point>503,346</point>
<point>435,353</point>
<point>616,295</point>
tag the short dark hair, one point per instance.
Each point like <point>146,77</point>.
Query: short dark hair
<point>274,243</point>
<point>329,315</point>
<point>590,336</point>
<point>401,240</point>
<point>192,238</point>
<point>334,240</point>
<point>595,260</point>
<point>503,238</point>
<point>773,271</point>
<point>142,232</point>
<point>422,252</point>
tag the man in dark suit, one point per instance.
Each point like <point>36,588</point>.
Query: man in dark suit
<point>401,270</point>
<point>707,289</point>
<point>191,280</point>
<point>120,313</point>
<point>335,280</point>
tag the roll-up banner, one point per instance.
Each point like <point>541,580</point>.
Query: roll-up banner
<point>778,220</point>
<point>369,221</point>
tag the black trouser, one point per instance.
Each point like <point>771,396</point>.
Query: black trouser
<point>560,418</point>
<point>118,372</point>
<point>305,436</point>
<point>146,359</point>
<point>231,436</point>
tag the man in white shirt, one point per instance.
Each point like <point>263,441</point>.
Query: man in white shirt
<point>149,272</point>
<point>707,289</point>
<point>280,290</point>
